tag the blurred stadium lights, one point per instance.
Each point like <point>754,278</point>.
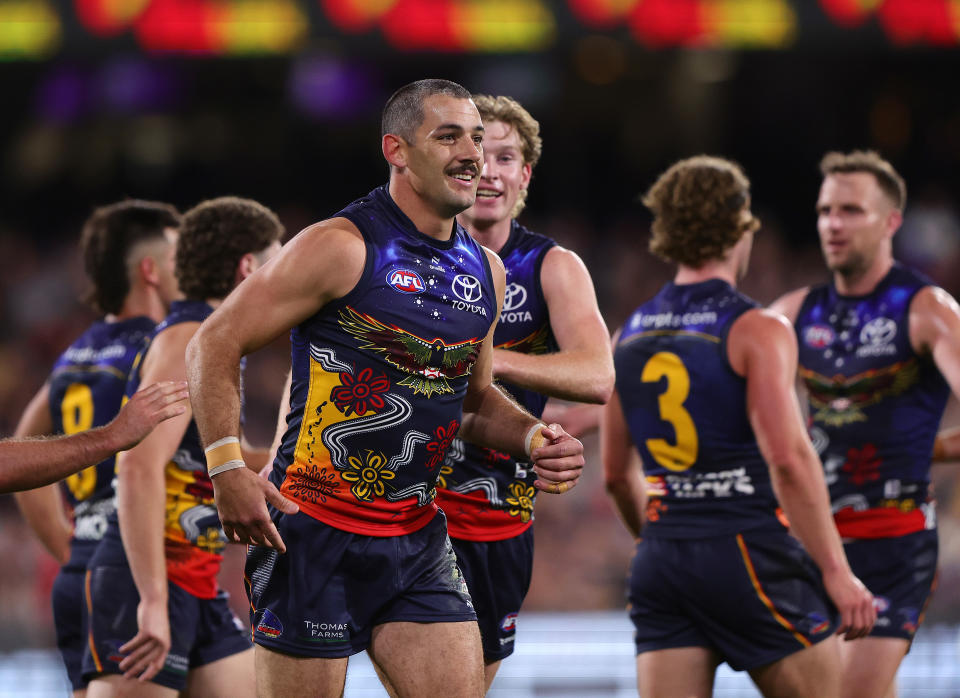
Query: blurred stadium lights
<point>39,29</point>
<point>324,86</point>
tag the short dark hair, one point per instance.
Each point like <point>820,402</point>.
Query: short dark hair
<point>403,112</point>
<point>890,181</point>
<point>107,238</point>
<point>214,237</point>
<point>697,207</point>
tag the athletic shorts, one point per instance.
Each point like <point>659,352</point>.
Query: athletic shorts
<point>754,597</point>
<point>901,573</point>
<point>498,576</point>
<point>68,621</point>
<point>324,596</point>
<point>201,630</point>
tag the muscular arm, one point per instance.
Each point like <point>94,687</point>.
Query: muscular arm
<point>622,469</point>
<point>43,507</point>
<point>763,349</point>
<point>323,262</point>
<point>492,419</point>
<point>141,504</point>
<point>582,370</point>
<point>935,331</point>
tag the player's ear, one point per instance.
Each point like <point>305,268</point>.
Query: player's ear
<point>894,221</point>
<point>525,174</point>
<point>394,150</point>
<point>147,269</point>
<point>245,267</point>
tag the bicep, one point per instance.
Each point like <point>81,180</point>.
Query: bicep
<point>36,419</point>
<point>572,302</point>
<point>937,327</point>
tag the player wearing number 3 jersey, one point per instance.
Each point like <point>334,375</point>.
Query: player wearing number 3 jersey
<point>704,393</point>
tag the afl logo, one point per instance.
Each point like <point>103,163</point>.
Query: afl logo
<point>509,622</point>
<point>514,297</point>
<point>405,281</point>
<point>878,331</point>
<point>818,336</point>
<point>467,288</point>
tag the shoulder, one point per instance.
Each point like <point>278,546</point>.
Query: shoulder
<point>933,300</point>
<point>333,235</point>
<point>497,268</point>
<point>934,316</point>
<point>560,259</point>
<point>789,304</point>
<point>759,334</point>
<point>763,325</point>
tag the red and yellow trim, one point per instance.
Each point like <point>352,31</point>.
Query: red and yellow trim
<point>90,642</point>
<point>761,594</point>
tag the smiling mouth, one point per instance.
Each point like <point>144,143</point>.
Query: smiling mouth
<point>488,193</point>
<point>465,177</point>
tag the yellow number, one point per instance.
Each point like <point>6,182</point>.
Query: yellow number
<point>77,412</point>
<point>683,454</point>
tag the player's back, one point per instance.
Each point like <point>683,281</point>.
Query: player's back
<point>686,411</point>
<point>86,389</point>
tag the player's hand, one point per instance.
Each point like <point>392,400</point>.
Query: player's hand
<point>557,459</point>
<point>147,651</point>
<point>853,601</point>
<point>145,410</point>
<point>242,498</point>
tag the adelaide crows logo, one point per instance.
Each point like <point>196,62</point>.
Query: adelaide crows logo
<point>430,363</point>
<point>841,399</point>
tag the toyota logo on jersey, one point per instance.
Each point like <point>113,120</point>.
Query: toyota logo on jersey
<point>405,281</point>
<point>514,297</point>
<point>467,288</point>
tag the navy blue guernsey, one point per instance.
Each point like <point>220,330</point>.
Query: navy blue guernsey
<point>875,405</point>
<point>687,414</point>
<point>193,537</point>
<point>487,494</point>
<point>86,390</point>
<point>379,376</point>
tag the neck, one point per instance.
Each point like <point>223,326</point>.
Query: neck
<point>419,211</point>
<point>491,234</point>
<point>714,269</point>
<point>142,302</point>
<point>860,283</point>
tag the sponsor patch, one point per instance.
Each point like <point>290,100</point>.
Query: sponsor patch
<point>406,281</point>
<point>509,622</point>
<point>467,288</point>
<point>818,336</point>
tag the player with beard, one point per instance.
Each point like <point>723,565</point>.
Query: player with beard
<point>550,341</point>
<point>879,355</point>
<point>392,307</point>
<point>704,393</point>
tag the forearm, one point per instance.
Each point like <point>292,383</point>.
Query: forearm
<point>26,464</point>
<point>42,508</point>
<point>582,376</point>
<point>629,494</point>
<point>213,375</point>
<point>802,492</point>
<point>946,447</point>
<point>492,419</point>
<point>140,508</point>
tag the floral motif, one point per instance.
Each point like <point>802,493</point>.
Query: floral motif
<point>368,476</point>
<point>655,508</point>
<point>442,478</point>
<point>862,465</point>
<point>360,393</point>
<point>438,447</point>
<point>312,484</point>
<point>520,500</point>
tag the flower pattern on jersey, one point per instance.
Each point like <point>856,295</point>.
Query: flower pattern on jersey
<point>863,465</point>
<point>520,499</point>
<point>313,484</point>
<point>360,393</point>
<point>438,447</point>
<point>368,475</point>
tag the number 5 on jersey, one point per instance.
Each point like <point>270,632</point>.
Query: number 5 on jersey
<point>683,454</point>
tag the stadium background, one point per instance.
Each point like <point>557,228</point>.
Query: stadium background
<point>279,100</point>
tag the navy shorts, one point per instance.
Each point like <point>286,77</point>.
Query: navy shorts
<point>901,573</point>
<point>202,631</point>
<point>498,575</point>
<point>753,598</point>
<point>324,596</point>
<point>68,621</point>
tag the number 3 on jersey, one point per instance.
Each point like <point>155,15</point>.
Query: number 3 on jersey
<point>683,454</point>
<point>77,412</point>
